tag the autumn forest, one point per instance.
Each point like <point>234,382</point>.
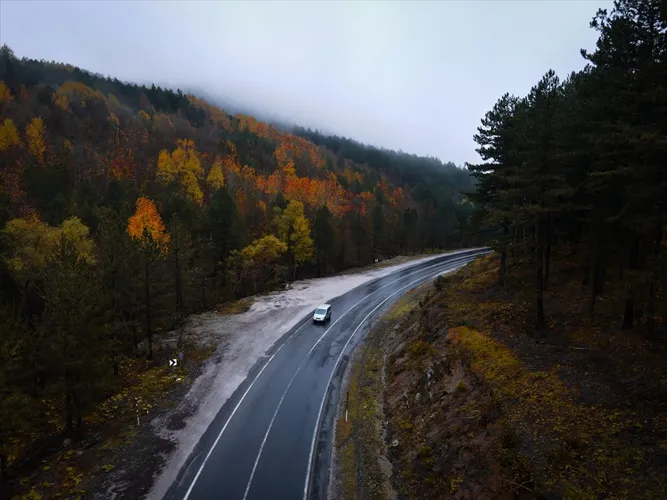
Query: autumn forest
<point>126,208</point>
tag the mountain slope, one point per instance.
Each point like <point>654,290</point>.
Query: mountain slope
<point>126,208</point>
<point>169,115</point>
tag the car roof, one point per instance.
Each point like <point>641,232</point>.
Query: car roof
<point>324,306</point>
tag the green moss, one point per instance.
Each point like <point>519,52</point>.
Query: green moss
<point>454,484</point>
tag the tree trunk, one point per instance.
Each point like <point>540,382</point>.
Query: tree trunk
<point>147,291</point>
<point>586,268</point>
<point>76,400</point>
<point>539,261</point>
<point>547,252</point>
<point>179,285</point>
<point>503,256</point>
<point>135,340</point>
<point>3,471</point>
<point>629,308</point>
<point>597,275</point>
<point>203,292</point>
<point>628,311</point>
<point>655,265</point>
<point>69,416</point>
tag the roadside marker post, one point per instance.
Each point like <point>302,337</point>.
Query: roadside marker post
<point>347,403</point>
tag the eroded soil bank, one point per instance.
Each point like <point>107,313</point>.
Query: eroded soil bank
<point>454,395</point>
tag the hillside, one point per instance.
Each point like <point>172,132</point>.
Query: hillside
<point>477,404</point>
<point>125,208</point>
<point>539,372</point>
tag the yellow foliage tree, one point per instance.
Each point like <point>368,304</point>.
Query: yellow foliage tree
<point>144,117</point>
<point>257,262</point>
<point>31,241</point>
<point>182,166</point>
<point>61,101</point>
<point>5,93</point>
<point>76,232</point>
<point>34,132</point>
<point>265,250</point>
<point>215,178</point>
<point>294,230</point>
<point>9,135</point>
<point>300,242</point>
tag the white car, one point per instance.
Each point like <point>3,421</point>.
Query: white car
<point>322,313</point>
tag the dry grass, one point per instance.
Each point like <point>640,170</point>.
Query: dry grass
<point>236,307</point>
<point>144,387</point>
<point>575,412</point>
<point>359,444</point>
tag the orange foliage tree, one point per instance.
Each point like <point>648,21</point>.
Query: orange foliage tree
<point>146,227</point>
<point>146,224</point>
<point>5,93</point>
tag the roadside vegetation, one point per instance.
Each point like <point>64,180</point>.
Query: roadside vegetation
<point>361,468</point>
<point>480,405</point>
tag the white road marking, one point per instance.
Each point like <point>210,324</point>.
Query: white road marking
<point>342,352</point>
<point>224,427</point>
<point>192,485</point>
<point>303,361</point>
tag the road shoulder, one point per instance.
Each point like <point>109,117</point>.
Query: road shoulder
<point>477,404</point>
<point>360,465</point>
<point>136,442</point>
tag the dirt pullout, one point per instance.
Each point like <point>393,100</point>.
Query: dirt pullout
<point>476,404</point>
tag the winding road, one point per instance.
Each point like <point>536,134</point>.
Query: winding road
<point>272,438</point>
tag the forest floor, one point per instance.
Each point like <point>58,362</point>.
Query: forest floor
<point>136,441</point>
<point>455,395</point>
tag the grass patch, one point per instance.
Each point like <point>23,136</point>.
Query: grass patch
<point>357,440</point>
<point>236,307</point>
<point>359,444</point>
<point>143,387</point>
<point>583,452</point>
<point>574,412</point>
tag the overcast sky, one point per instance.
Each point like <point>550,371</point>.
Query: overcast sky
<point>413,75</point>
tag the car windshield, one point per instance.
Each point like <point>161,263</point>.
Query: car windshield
<point>320,310</point>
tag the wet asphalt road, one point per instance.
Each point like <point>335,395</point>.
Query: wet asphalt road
<point>272,438</point>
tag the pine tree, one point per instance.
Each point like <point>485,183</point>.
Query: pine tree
<point>73,349</point>
<point>630,57</point>
<point>497,140</point>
